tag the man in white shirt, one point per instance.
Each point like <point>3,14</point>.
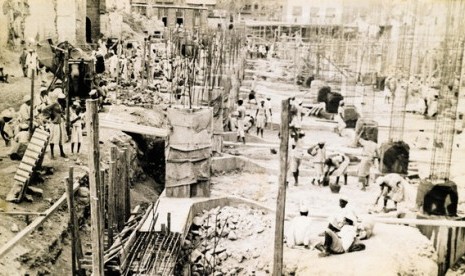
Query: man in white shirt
<point>298,232</point>
<point>240,121</point>
<point>340,240</point>
<point>318,152</point>
<point>391,186</point>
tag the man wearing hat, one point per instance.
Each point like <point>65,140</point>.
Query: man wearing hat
<point>5,117</point>
<point>25,109</point>
<point>391,186</point>
<point>55,114</point>
<point>297,154</point>
<point>20,142</point>
<point>3,76</point>
<point>260,116</point>
<point>318,152</point>
<point>269,111</point>
<point>336,165</point>
<point>298,231</point>
<point>240,121</point>
<point>339,118</point>
<point>31,62</point>
<point>22,61</point>
<point>370,158</point>
<point>340,239</point>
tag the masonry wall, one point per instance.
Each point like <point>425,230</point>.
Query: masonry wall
<point>33,20</point>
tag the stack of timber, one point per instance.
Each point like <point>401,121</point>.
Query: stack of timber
<point>368,129</point>
<point>350,116</point>
<point>32,159</point>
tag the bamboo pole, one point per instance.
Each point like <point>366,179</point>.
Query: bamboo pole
<point>94,183</point>
<point>281,200</point>
<point>102,200</point>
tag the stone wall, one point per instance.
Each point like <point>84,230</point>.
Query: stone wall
<point>33,20</point>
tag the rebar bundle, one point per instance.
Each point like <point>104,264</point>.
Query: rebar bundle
<point>403,68</point>
<point>451,72</point>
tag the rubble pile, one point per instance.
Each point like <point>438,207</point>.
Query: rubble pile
<point>229,241</point>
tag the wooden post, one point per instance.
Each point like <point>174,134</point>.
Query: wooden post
<point>168,221</point>
<point>127,198</point>
<point>31,110</point>
<point>113,179</point>
<point>92,123</point>
<point>121,191</point>
<point>281,200</point>
<point>145,77</point>
<point>66,89</point>
<point>102,201</point>
<point>70,194</point>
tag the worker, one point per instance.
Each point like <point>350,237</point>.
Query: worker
<point>20,142</point>
<point>3,76</point>
<point>269,111</point>
<point>55,114</point>
<point>370,158</point>
<point>345,209</point>
<point>240,121</point>
<point>336,165</point>
<point>22,62</point>
<point>5,117</point>
<point>24,112</point>
<point>340,239</point>
<point>233,121</point>
<point>339,118</point>
<point>297,153</point>
<point>299,229</point>
<point>296,112</point>
<point>318,152</point>
<point>391,186</point>
<point>76,130</point>
<point>261,118</point>
<point>31,62</point>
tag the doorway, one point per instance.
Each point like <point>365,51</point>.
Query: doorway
<point>88,30</point>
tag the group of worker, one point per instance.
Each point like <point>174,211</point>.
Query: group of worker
<point>342,234</point>
<point>251,114</point>
<point>48,113</point>
<point>345,229</point>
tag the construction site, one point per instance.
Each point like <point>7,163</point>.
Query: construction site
<point>203,137</point>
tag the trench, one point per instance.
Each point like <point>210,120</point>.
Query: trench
<point>151,159</point>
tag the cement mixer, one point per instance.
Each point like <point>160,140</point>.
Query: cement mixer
<point>80,66</point>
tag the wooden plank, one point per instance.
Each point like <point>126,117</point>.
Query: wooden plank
<point>21,179</point>
<point>25,167</point>
<point>37,142</point>
<point>41,136</point>
<point>32,154</point>
<point>23,173</point>
<point>134,128</point>
<point>92,122</point>
<point>34,148</point>
<point>29,161</point>
<point>70,200</point>
<point>37,222</point>
<point>281,200</point>
<point>127,184</point>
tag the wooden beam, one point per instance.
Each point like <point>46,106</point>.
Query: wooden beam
<point>92,123</point>
<point>31,109</point>
<point>281,200</point>
<point>133,128</point>
<point>127,185</point>
<point>113,178</point>
<point>70,198</point>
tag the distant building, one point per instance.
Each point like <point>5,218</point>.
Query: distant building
<point>261,10</point>
<point>192,14</point>
<point>313,12</point>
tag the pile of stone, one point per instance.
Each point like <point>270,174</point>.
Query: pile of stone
<point>138,97</point>
<point>229,241</point>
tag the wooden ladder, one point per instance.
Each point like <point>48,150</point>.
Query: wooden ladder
<point>31,160</point>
